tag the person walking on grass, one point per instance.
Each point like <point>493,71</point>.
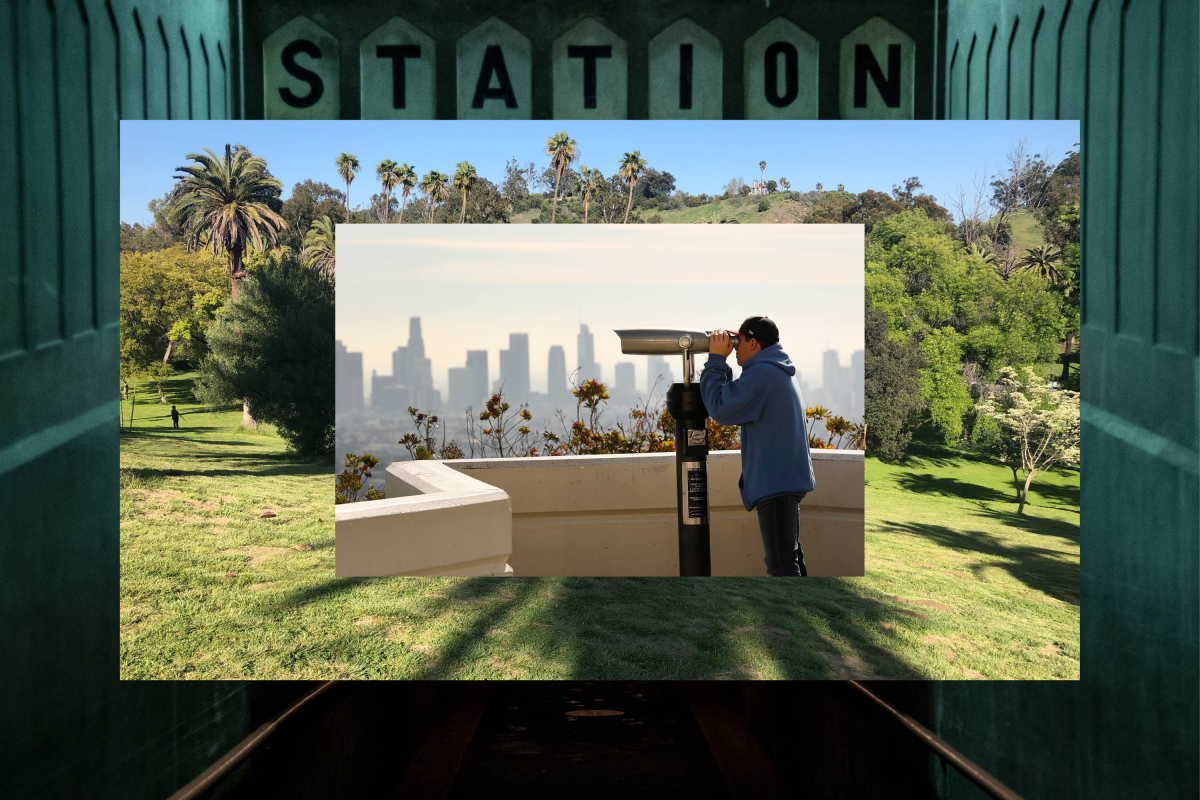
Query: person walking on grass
<point>766,402</point>
<point>175,416</point>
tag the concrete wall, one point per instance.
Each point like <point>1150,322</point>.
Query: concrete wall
<point>615,514</point>
<point>435,521</point>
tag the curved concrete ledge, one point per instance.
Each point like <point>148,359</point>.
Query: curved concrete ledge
<point>612,515</point>
<point>435,521</point>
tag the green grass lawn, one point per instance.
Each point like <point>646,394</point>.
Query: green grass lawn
<point>743,210</point>
<point>957,586</point>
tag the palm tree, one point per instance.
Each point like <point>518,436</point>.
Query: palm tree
<point>407,179</point>
<point>762,168</point>
<point>464,179</point>
<point>631,167</point>
<point>1041,260</point>
<point>318,250</point>
<point>588,177</point>
<point>973,249</point>
<point>563,152</point>
<point>389,176</point>
<point>347,165</point>
<point>223,202</point>
<point>435,187</point>
<point>783,184</point>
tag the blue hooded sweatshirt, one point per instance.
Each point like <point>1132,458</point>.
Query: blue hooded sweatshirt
<point>766,402</point>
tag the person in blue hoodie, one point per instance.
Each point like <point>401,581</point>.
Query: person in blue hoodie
<point>765,401</point>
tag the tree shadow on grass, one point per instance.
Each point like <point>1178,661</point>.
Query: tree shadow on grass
<point>1031,524</point>
<point>925,483</point>
<point>246,467</point>
<point>1066,495</point>
<point>1038,568</point>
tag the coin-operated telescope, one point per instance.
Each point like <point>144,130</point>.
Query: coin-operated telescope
<point>686,407</point>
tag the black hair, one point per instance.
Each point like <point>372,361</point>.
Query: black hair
<point>761,329</point>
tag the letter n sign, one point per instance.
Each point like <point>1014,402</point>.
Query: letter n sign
<point>396,67</point>
<point>590,73</point>
<point>494,64</point>
<point>877,71</point>
<point>780,72</point>
<point>300,72</point>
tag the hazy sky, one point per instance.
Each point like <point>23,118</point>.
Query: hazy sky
<point>702,155</point>
<point>472,285</point>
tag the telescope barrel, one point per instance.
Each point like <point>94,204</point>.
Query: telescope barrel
<point>662,341</point>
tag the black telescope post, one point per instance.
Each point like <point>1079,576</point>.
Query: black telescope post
<point>685,404</point>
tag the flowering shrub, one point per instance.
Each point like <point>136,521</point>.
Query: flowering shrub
<point>348,485</point>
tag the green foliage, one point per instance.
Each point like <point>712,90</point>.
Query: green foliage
<point>350,482</point>
<point>763,205</point>
<point>319,248</point>
<point>891,391</point>
<point>1027,427</point>
<point>309,202</point>
<point>169,298</point>
<point>942,388</point>
<point>485,204</point>
<point>273,347</point>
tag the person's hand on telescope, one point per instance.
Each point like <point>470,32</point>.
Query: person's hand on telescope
<point>719,344</point>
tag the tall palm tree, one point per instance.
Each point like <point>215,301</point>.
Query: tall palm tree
<point>783,184</point>
<point>762,168</point>
<point>318,250</point>
<point>435,185</point>
<point>587,184</point>
<point>389,176</point>
<point>1041,260</point>
<point>632,165</point>
<point>347,165</point>
<point>563,152</point>
<point>407,181</point>
<point>464,179</point>
<point>223,202</point>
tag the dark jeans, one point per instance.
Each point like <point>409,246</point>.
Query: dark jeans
<point>779,524</point>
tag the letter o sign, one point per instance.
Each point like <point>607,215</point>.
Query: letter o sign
<point>780,72</point>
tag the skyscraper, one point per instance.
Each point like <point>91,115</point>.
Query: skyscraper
<point>830,387</point>
<point>348,379</point>
<point>477,362</point>
<point>461,389</point>
<point>624,380</point>
<point>658,369</point>
<point>400,365</point>
<point>556,376</point>
<point>518,360</point>
<point>586,348</point>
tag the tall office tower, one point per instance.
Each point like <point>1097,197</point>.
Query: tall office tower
<point>348,379</point>
<point>461,390</point>
<point>415,343</point>
<point>586,348</point>
<point>505,383</point>
<point>518,359</point>
<point>624,380</point>
<point>477,362</point>
<point>857,382</point>
<point>829,378</point>
<point>556,377</point>
<point>658,369</point>
<point>400,365</point>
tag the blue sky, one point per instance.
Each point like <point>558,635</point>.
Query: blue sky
<point>702,155</point>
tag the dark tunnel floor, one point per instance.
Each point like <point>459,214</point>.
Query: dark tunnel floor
<point>528,743</point>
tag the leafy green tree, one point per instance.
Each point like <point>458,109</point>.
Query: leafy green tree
<point>632,165</point>
<point>942,388</point>
<point>228,202</point>
<point>389,175</point>
<point>891,391</point>
<point>464,178</point>
<point>347,165</point>
<point>772,187</point>
<point>308,202</point>
<point>1028,428</point>
<point>319,250</point>
<point>652,184</point>
<point>273,347</point>
<point>516,185</point>
<point>563,152</point>
<point>485,204</point>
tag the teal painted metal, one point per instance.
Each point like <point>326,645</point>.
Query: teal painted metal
<point>69,71</point>
<point>1129,72</point>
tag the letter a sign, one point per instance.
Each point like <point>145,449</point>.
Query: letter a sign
<point>877,70</point>
<point>300,72</point>
<point>494,73</point>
